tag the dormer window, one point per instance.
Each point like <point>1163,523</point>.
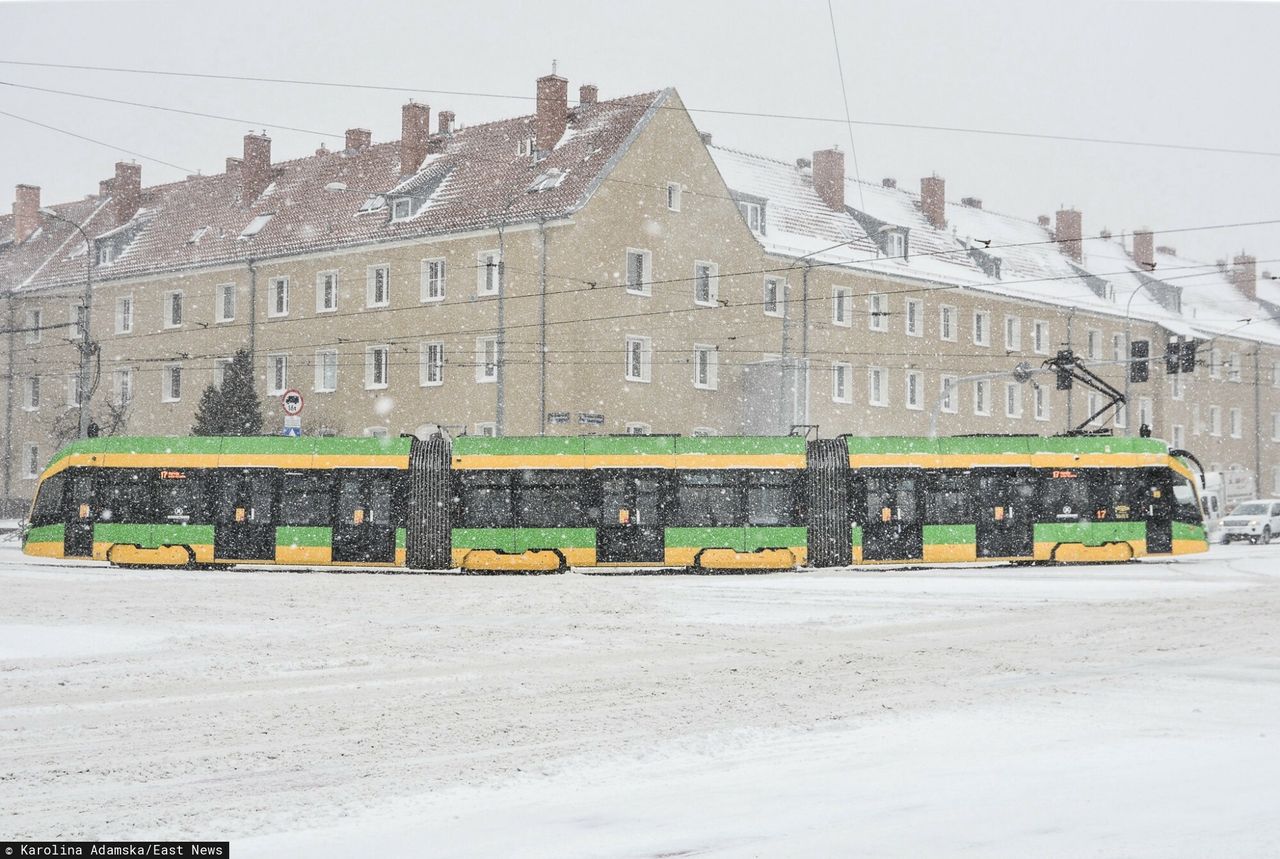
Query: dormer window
<point>753,213</point>
<point>525,146</point>
<point>197,235</point>
<point>255,226</point>
<point>106,254</point>
<point>895,244</point>
<point>546,181</point>
<point>401,208</point>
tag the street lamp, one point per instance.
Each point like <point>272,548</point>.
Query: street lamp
<point>1128,345</point>
<point>87,348</point>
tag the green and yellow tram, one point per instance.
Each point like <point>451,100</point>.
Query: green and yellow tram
<point>551,503</point>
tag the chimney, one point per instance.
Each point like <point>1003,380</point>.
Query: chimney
<point>358,138</point>
<point>415,128</point>
<point>553,112</point>
<point>26,212</point>
<point>1143,249</point>
<point>888,182</point>
<point>233,166</point>
<point>828,177</point>
<point>255,171</point>
<point>587,94</point>
<point>1245,275</point>
<point>705,136</point>
<point>104,188</point>
<point>126,191</point>
<point>1067,232</point>
<point>971,202</point>
<point>1042,220</point>
<point>933,201</point>
<point>446,122</point>
<point>322,151</point>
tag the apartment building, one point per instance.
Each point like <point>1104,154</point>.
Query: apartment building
<point>603,267</point>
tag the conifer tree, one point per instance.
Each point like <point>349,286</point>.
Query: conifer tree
<point>233,409</point>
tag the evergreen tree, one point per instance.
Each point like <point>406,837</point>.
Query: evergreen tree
<point>233,409</point>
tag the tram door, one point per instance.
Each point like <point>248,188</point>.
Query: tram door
<point>893,530</point>
<point>244,529</point>
<point>631,527</point>
<point>80,510</point>
<point>1160,507</point>
<point>365,530</point>
<point>1006,513</point>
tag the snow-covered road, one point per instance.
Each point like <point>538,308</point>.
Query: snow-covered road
<point>1111,711</point>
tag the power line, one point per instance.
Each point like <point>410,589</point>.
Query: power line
<point>98,142</point>
<point>952,129</point>
<point>848,118</point>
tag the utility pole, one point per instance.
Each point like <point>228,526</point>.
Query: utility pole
<point>87,346</point>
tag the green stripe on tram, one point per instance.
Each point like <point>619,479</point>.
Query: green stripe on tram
<point>1089,533</point>
<point>638,445</point>
<point>1183,531</point>
<point>522,539</point>
<point>947,535</point>
<point>740,538</point>
<point>46,534</point>
<point>151,536</point>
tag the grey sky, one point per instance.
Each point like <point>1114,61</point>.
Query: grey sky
<point>1193,73</point>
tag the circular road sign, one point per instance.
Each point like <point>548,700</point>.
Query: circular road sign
<point>291,402</point>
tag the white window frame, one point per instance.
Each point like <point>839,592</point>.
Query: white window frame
<point>486,429</point>
<point>167,394</point>
<point>31,461</point>
<point>371,286</point>
<point>35,321</point>
<point>278,298</point>
<point>753,214</point>
<point>1215,363</point>
<point>220,292</point>
<point>1013,400</point>
<point>1234,370</point>
<point>75,319</point>
<point>913,392</point>
<point>706,367</point>
<point>775,290</point>
<point>487,359</point>
<point>981,328</point>
<point>895,244</point>
<point>1093,344</point>
<point>712,283</point>
<point>432,275</point>
<point>877,312</point>
<point>1041,404</point>
<point>168,308</point>
<point>277,373</point>
<point>1092,402</point>
<point>1177,436</point>
<point>645,287</point>
<point>122,386</point>
<point>1146,411</point>
<point>878,387</point>
<point>73,390</point>
<point>949,394</point>
<point>220,366</point>
<point>1013,334</point>
<point>982,398</point>
<point>124,314</point>
<point>841,382</point>
<point>948,315</point>
<point>842,306</point>
<point>1235,422</point>
<point>674,190</point>
<point>322,279</point>
<point>1176,387</point>
<point>1215,421</point>
<point>913,316</point>
<point>401,208</point>
<point>1040,337</point>
<point>431,366</point>
<point>373,364</point>
<point>31,394</point>
<point>644,345</point>
<point>1118,350</point>
<point>325,358</point>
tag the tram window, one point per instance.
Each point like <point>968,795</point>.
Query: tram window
<point>898,494</point>
<point>486,499</point>
<point>1065,498</point>
<point>179,496</point>
<point>770,498</point>
<point>948,499</point>
<point>549,499</point>
<point>709,498</point>
<point>306,498</point>
<point>125,495</point>
<point>1185,497</point>
<point>371,493</point>
<point>48,507</point>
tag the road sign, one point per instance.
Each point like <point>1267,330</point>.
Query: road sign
<point>296,432</point>
<point>292,422</point>
<point>291,402</point>
<point>591,418</point>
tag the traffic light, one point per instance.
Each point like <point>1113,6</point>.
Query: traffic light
<point>1139,363</point>
<point>1187,357</point>
<point>1172,356</point>
<point>1063,366</point>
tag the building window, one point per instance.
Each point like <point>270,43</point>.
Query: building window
<point>982,397</point>
<point>1215,420</point>
<point>947,395</point>
<point>915,317</point>
<point>487,359</point>
<point>895,244</point>
<point>878,312</point>
<point>981,328</point>
<point>1121,419</point>
<point>639,272</point>
<point>639,359</point>
<point>947,323</point>
<point>489,271</point>
<point>377,286</point>
<point>1146,412</point>
<point>106,254</point>
<point>706,283</point>
<point>225,302</point>
<point>842,306</point>
<point>1233,367</point>
<point>278,303</point>
<point>706,369</point>
<point>277,374</point>
<point>1012,400</point>
<point>841,373</point>
<point>877,386</point>
<point>1197,420</point>
<point>171,391</point>
<point>673,196</point>
<point>1091,405</point>
<point>1040,397</point>
<point>1117,349</point>
<point>432,286</point>
<point>487,429</point>
<point>401,208</point>
<point>326,370</point>
<point>637,428</point>
<point>1175,386</point>
<point>753,214</point>
<point>173,309</point>
<point>1275,374</point>
<point>76,316</point>
<point>73,390</point>
<point>31,394</point>
<point>326,292</point>
<point>1215,363</point>
<point>1237,423</point>
<point>124,314</point>
<point>122,386</point>
<point>1040,337</point>
<point>31,462</point>
<point>375,367</point>
<point>1012,334</point>
<point>914,381</point>
<point>774,297</point>
<point>376,432</point>
<point>702,432</point>
<point>1178,436</point>
<point>1275,426</point>
<point>220,367</point>
<point>35,320</point>
<point>431,368</point>
<point>1093,344</point>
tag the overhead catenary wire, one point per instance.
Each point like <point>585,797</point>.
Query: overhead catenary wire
<point>848,118</point>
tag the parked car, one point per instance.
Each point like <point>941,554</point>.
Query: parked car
<point>1255,521</point>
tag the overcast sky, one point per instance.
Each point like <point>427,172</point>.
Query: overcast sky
<point>1198,74</point>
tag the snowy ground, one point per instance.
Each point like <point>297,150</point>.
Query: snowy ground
<point>1101,711</point>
